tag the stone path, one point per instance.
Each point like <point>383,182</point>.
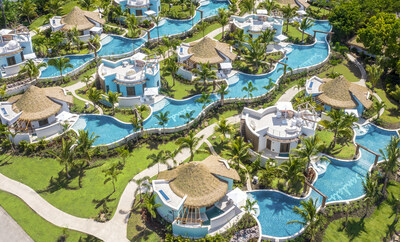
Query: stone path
<point>362,70</point>
<point>10,230</point>
<point>290,94</point>
<point>116,228</point>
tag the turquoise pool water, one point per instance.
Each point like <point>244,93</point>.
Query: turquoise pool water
<point>111,45</point>
<point>276,208</point>
<point>172,27</point>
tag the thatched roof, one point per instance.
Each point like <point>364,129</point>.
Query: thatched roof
<point>208,50</point>
<point>36,103</point>
<point>216,167</point>
<point>340,93</point>
<point>198,182</point>
<point>80,19</point>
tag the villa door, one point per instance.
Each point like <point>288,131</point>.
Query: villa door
<point>284,148</point>
<point>269,143</point>
<point>11,61</point>
<point>130,91</point>
<point>144,86</point>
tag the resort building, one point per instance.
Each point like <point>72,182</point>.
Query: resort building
<point>37,113</point>
<point>140,7</point>
<point>339,93</point>
<point>15,48</point>
<point>137,78</point>
<point>204,51</point>
<point>86,22</point>
<point>198,197</point>
<point>275,130</point>
<point>255,24</point>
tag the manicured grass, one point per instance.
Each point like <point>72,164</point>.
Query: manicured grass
<point>320,14</point>
<point>176,11</point>
<point>392,112</point>
<point>89,72</point>
<point>225,114</point>
<point>349,70</point>
<point>34,225</point>
<point>124,117</point>
<point>44,175</point>
<point>373,228</point>
<point>199,35</point>
<point>341,150</point>
<point>293,32</point>
<point>218,36</point>
<point>137,230</point>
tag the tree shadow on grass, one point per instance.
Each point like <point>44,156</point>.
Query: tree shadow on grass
<point>354,228</point>
<point>143,235</point>
<point>100,202</point>
<point>6,161</point>
<point>89,238</point>
<point>58,183</point>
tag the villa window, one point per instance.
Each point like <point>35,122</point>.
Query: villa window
<point>22,56</point>
<point>107,88</point>
<point>158,83</point>
<point>130,91</point>
<point>284,148</point>
<point>139,12</point>
<point>11,61</point>
<point>118,89</point>
<point>43,122</point>
<point>269,144</point>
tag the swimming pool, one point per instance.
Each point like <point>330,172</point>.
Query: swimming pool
<point>276,208</point>
<point>173,27</point>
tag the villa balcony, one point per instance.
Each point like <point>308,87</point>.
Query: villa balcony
<point>131,78</point>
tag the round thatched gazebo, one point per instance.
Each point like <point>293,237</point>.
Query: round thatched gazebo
<point>211,51</point>
<point>82,20</point>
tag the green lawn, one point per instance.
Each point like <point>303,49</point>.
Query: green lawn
<point>34,225</point>
<point>293,32</point>
<point>373,228</point>
<point>321,13</point>
<point>176,11</point>
<point>218,37</point>
<point>392,112</point>
<point>349,70</point>
<point>89,72</point>
<point>43,176</point>
<point>341,150</point>
<point>199,35</point>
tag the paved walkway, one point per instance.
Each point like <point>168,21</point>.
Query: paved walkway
<point>116,228</point>
<point>290,94</point>
<point>362,70</point>
<point>10,230</point>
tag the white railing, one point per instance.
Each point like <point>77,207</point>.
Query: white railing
<point>138,3</point>
<point>49,130</point>
<point>223,218</point>
<point>130,78</point>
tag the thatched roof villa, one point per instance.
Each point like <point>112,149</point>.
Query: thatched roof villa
<point>339,93</point>
<point>194,196</point>
<point>86,22</point>
<point>206,50</point>
<point>35,110</point>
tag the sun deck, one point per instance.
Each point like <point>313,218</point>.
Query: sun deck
<point>163,189</point>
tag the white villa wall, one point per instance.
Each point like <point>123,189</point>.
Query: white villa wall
<point>20,137</point>
<point>49,130</point>
<point>185,74</point>
<point>129,101</point>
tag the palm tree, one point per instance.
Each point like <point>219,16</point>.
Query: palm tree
<point>28,10</point>
<point>239,37</point>
<point>340,124</point>
<point>224,128</point>
<point>270,6</point>
<point>249,89</point>
<point>158,158</point>
<point>171,68</point>
<point>268,173</point>
<point>204,99</point>
<point>249,207</point>
<point>141,110</point>
<point>375,72</point>
<point>150,205</point>
<point>222,91</point>
<point>136,124</point>
<point>205,73</point>
<point>31,69</point>
<point>288,13</point>
<point>370,188</point>
<point>94,95</point>
<point>111,174</point>
<point>3,13</point>
<point>394,201</point>
<point>94,44</point>
<point>85,143</point>
<point>378,106</point>
<point>61,64</point>
<point>238,150</point>
<point>87,4</point>
<point>172,155</point>
<point>112,98</point>
<point>86,79</point>
<point>117,13</point>
<point>202,26</point>
<point>66,157</point>
<point>55,7</point>
<point>157,20</point>
<point>292,170</point>
<point>141,183</point>
<point>123,152</point>
<point>391,157</point>
<point>162,118</point>
<point>266,36</point>
<point>248,6</point>
<point>255,52</point>
<point>308,148</point>
<point>3,91</point>
<point>223,19</point>
<point>190,141</point>
<point>188,116</point>
<point>270,85</point>
<point>308,214</point>
<point>307,23</point>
